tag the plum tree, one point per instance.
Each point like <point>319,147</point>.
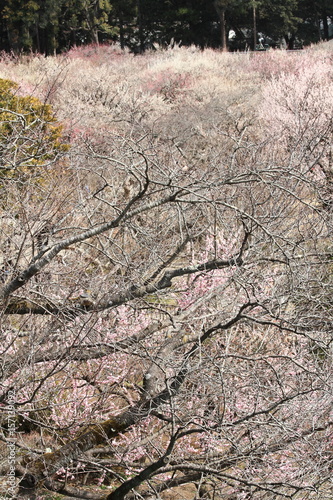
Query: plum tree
<point>166,314</point>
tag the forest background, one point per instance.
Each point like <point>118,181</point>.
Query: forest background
<point>166,274</point>
<point>53,26</point>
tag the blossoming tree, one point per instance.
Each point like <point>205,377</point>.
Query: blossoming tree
<point>166,312</point>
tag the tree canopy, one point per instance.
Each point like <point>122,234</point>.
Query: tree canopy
<point>52,26</point>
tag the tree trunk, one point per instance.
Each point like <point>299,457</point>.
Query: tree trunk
<point>141,32</point>
<point>223,31</point>
<point>220,9</point>
<point>325,25</point>
<point>254,27</point>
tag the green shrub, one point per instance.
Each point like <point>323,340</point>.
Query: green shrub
<point>30,137</point>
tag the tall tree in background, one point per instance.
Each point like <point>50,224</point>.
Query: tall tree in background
<point>21,22</point>
<point>55,25</point>
<point>47,34</point>
<point>50,25</point>
<point>95,22</point>
<point>32,25</point>
<point>122,19</point>
<point>278,20</point>
<point>315,17</point>
<point>194,22</point>
<point>221,7</point>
